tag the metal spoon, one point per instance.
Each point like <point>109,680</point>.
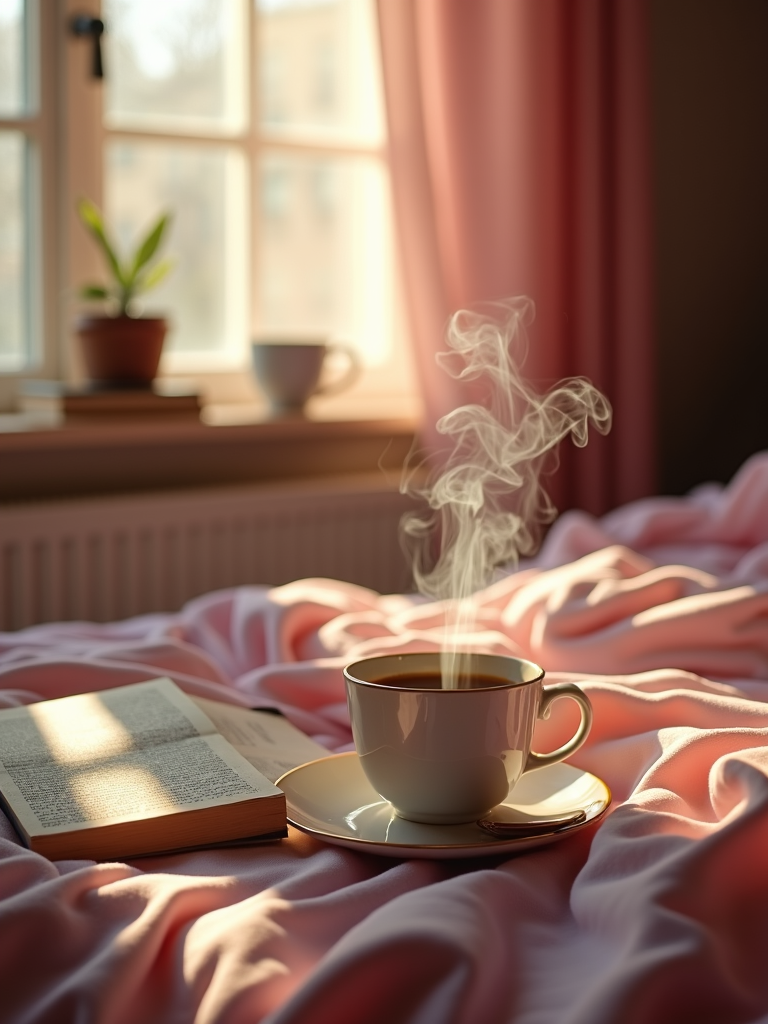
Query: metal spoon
<point>532,827</point>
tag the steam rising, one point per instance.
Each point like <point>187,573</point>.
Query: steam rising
<point>486,504</point>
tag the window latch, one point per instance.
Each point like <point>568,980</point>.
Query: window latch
<point>86,25</point>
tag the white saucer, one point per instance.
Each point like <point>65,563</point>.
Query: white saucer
<point>333,800</point>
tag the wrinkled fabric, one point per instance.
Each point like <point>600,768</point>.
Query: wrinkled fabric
<point>659,913</point>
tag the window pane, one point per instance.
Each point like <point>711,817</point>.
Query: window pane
<point>11,58</point>
<point>175,64</point>
<point>325,251</point>
<point>319,70</point>
<point>204,189</point>
<point>13,283</point>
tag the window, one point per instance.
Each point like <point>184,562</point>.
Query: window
<point>259,124</point>
<point>19,124</point>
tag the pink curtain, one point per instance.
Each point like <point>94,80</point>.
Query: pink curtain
<point>520,156</point>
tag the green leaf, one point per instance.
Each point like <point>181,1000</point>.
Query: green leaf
<point>149,246</point>
<point>124,299</point>
<point>94,291</point>
<point>91,217</point>
<point>155,275</point>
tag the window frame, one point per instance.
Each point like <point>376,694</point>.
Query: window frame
<point>38,124</point>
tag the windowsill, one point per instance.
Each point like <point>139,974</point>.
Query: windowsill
<point>45,461</point>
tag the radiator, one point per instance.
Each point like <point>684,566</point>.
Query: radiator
<point>107,558</point>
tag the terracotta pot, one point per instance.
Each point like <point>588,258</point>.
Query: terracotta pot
<point>121,351</point>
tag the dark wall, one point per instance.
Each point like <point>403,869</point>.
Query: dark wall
<point>709,70</point>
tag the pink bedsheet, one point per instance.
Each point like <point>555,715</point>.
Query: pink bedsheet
<point>660,610</point>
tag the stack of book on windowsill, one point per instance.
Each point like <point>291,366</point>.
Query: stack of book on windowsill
<point>57,401</point>
<point>144,769</point>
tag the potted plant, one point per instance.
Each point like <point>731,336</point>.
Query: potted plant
<point>122,350</point>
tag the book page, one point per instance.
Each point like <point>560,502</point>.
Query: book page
<point>123,754</point>
<point>103,724</point>
<point>268,741</point>
<point>50,797</point>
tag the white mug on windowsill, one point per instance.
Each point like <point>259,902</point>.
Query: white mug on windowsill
<point>290,370</point>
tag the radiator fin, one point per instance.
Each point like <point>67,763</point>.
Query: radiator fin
<point>108,558</point>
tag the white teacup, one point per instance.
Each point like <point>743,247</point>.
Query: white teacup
<point>289,371</point>
<point>445,756</point>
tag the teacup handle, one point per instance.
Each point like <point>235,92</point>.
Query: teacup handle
<point>549,695</point>
<point>347,378</point>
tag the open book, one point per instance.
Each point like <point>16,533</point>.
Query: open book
<point>144,769</point>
